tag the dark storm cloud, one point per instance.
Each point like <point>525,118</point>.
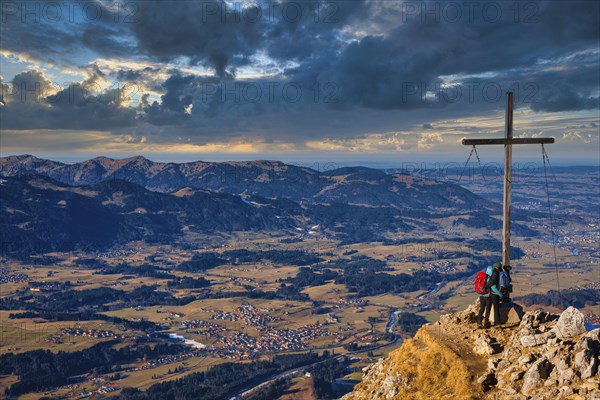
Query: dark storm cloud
<point>171,110</point>
<point>383,71</point>
<point>46,42</point>
<point>108,40</point>
<point>559,93</point>
<point>301,30</point>
<point>140,80</point>
<point>373,72</point>
<point>57,32</point>
<point>208,100</point>
<point>130,75</point>
<point>205,31</point>
<point>572,87</point>
<point>371,55</point>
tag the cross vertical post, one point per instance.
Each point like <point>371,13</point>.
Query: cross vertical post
<point>508,142</point>
<point>507,180</point>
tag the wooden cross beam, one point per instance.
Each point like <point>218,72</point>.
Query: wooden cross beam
<point>508,141</point>
<point>479,142</point>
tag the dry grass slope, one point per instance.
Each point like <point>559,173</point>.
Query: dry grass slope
<point>422,369</point>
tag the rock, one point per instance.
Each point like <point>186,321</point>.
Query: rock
<point>467,316</point>
<point>551,353</point>
<point>585,363</point>
<point>510,313</point>
<point>545,357</point>
<point>526,359</point>
<point>544,368</point>
<point>591,386</point>
<point>509,390</point>
<point>516,376</point>
<point>551,383</point>
<point>493,363</point>
<point>483,348</point>
<point>594,396</point>
<point>487,381</point>
<point>537,340</point>
<point>571,323</point>
<point>589,341</point>
<point>376,368</point>
<point>594,335</point>
<point>565,391</point>
<point>504,375</point>
<point>567,376</point>
<point>530,341</point>
<point>527,320</point>
<point>539,371</point>
<point>389,386</point>
<point>563,364</point>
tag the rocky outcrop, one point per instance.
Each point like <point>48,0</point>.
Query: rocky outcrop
<point>544,356</point>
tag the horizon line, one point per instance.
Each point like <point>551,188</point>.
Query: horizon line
<point>345,160</point>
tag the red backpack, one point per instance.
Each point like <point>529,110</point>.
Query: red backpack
<point>480,283</point>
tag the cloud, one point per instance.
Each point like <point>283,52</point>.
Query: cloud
<point>34,102</point>
<point>377,142</point>
<point>587,138</point>
<point>429,140</point>
<point>31,87</point>
<point>175,102</point>
<point>208,32</point>
<point>343,75</point>
<point>101,142</point>
<point>395,70</point>
<point>567,91</point>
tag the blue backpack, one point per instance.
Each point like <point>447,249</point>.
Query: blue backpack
<point>504,281</point>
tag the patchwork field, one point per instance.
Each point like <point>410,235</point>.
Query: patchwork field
<point>239,328</point>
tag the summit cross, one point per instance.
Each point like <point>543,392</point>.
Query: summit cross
<point>508,142</point>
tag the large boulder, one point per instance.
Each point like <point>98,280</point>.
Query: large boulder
<point>510,313</point>
<point>571,323</point>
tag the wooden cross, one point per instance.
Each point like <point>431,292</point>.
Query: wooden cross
<point>507,142</point>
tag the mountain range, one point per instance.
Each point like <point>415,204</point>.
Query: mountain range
<point>51,206</point>
<point>273,179</point>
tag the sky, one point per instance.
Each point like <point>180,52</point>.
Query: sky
<point>373,82</point>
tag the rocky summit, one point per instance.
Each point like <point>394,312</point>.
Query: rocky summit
<point>542,356</point>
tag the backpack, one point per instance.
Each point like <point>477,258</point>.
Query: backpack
<point>480,279</point>
<point>504,281</point>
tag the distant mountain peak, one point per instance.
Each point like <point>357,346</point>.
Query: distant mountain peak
<point>265,178</point>
<point>26,156</point>
<point>137,158</point>
<point>20,158</point>
<point>103,159</point>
